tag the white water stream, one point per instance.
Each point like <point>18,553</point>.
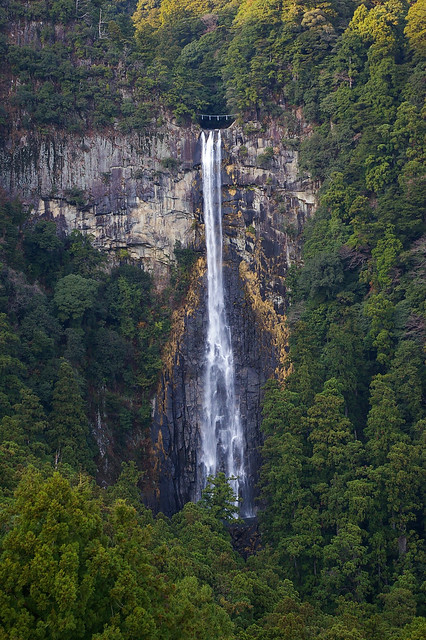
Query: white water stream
<point>222,433</point>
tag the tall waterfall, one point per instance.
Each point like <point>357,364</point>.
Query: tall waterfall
<point>222,433</point>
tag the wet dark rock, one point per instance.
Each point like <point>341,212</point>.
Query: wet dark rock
<point>245,537</point>
<point>266,250</point>
<point>132,201</point>
<point>178,416</point>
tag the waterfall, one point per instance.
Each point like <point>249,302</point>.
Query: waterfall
<point>222,437</point>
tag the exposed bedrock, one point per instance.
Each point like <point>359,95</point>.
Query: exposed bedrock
<point>265,205</point>
<point>142,193</point>
<point>178,410</point>
<point>130,192</point>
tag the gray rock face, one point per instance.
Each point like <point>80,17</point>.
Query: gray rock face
<point>133,192</point>
<point>264,208</point>
<point>177,417</point>
<point>141,194</point>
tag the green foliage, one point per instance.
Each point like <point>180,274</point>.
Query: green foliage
<point>27,425</point>
<point>68,425</point>
<point>74,296</point>
<point>416,27</point>
<point>342,437</point>
<point>181,271</point>
<point>11,368</point>
<point>219,499</point>
<point>265,158</point>
<point>103,322</point>
<point>54,89</point>
<point>86,260</point>
<point>342,470</point>
<point>75,196</point>
<point>126,487</point>
<point>12,217</point>
<point>385,254</point>
<point>170,163</point>
<point>214,56</point>
<point>43,251</point>
<point>53,538</point>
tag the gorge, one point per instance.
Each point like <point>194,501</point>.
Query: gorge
<point>178,302</point>
<point>132,201</point>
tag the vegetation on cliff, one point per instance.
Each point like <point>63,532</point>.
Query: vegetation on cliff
<point>342,474</point>
<point>345,436</point>
<point>78,339</point>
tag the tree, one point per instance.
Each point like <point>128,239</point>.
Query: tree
<point>74,296</point>
<point>12,217</point>
<point>126,486</point>
<point>403,478</point>
<point>384,420</point>
<point>196,615</point>
<point>43,251</point>
<point>329,430</point>
<point>415,630</point>
<point>400,602</point>
<point>380,310</point>
<point>345,563</point>
<point>86,259</point>
<point>11,368</point>
<point>219,498</point>
<point>385,254</point>
<point>343,355</point>
<point>68,427</point>
<point>416,27</point>
<point>46,572</point>
<point>28,423</point>
<point>405,376</point>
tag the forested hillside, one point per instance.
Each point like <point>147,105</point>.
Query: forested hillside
<point>343,460</point>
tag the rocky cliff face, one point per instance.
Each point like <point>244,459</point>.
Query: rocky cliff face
<point>265,205</point>
<point>132,193</point>
<point>141,194</point>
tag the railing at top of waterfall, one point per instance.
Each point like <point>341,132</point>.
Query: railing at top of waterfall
<point>211,116</point>
<point>216,120</point>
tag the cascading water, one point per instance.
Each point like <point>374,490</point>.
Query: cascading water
<point>222,437</point>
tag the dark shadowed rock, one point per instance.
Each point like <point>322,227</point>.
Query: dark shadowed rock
<point>142,193</point>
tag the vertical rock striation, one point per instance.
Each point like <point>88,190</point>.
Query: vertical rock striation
<point>130,192</point>
<point>142,193</point>
<point>265,205</point>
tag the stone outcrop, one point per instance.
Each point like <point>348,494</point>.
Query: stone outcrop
<point>131,192</point>
<point>265,206</point>
<point>140,194</point>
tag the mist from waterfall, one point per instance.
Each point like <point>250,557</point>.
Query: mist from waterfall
<point>222,436</point>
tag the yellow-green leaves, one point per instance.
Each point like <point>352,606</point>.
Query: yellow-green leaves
<point>416,27</point>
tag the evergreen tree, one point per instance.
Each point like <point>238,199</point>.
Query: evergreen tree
<point>218,498</point>
<point>384,420</point>
<point>68,432</point>
<point>10,367</point>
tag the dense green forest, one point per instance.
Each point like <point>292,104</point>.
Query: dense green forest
<point>343,459</point>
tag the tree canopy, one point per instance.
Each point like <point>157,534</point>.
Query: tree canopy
<point>342,473</point>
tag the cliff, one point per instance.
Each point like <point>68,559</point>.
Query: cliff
<point>141,194</point>
<point>130,192</point>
